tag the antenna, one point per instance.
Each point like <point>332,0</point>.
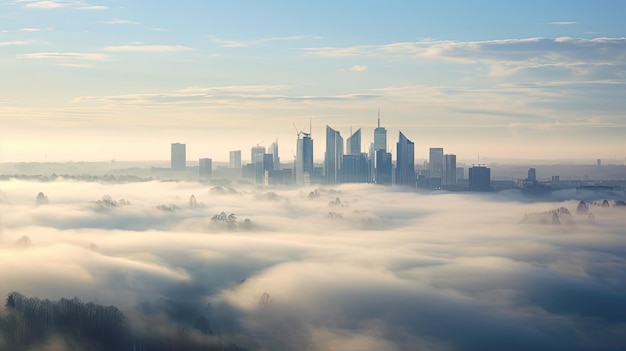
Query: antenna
<point>379,117</point>
<point>310,125</point>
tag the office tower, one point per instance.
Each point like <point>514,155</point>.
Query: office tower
<point>304,159</point>
<point>235,159</point>
<point>274,151</point>
<point>460,173</point>
<point>449,169</point>
<point>178,156</point>
<point>435,162</point>
<point>256,154</point>
<point>355,169</point>
<point>380,137</point>
<point>333,156</point>
<point>480,178</point>
<point>532,174</point>
<point>405,165</point>
<point>384,168</point>
<point>353,143</point>
<point>205,167</point>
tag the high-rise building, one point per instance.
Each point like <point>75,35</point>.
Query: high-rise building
<point>384,168</point>
<point>178,157</point>
<point>449,169</point>
<point>235,159</point>
<point>256,154</point>
<point>333,156</point>
<point>480,178</point>
<point>304,159</point>
<point>405,165</point>
<point>355,169</point>
<point>460,173</point>
<point>353,143</point>
<point>532,174</point>
<point>274,151</point>
<point>380,137</point>
<point>205,167</point>
<point>435,162</point>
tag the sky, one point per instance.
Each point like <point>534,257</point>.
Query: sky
<point>103,80</point>
<point>355,267</point>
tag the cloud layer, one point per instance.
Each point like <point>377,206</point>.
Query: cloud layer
<point>377,270</point>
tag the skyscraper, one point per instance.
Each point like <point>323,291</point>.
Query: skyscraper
<point>205,167</point>
<point>304,159</point>
<point>353,143</point>
<point>435,162</point>
<point>532,174</point>
<point>384,168</point>
<point>274,151</point>
<point>256,154</point>
<point>235,159</point>
<point>480,178</point>
<point>405,165</point>
<point>333,156</point>
<point>380,136</point>
<point>178,157</point>
<point>449,169</point>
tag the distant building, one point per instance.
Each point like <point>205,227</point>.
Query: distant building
<point>333,156</point>
<point>460,173</point>
<point>449,170</point>
<point>256,154</point>
<point>556,179</point>
<point>384,168</point>
<point>598,163</point>
<point>405,164</point>
<point>178,156</point>
<point>435,162</point>
<point>353,143</point>
<point>355,169</point>
<point>532,174</point>
<point>205,167</point>
<point>380,137</point>
<point>304,159</point>
<point>235,159</point>
<point>274,151</point>
<point>480,178</point>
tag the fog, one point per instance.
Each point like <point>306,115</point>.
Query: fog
<point>353,267</point>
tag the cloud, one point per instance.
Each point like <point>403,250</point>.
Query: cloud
<point>229,95</point>
<point>57,4</point>
<point>246,43</point>
<point>12,43</point>
<point>64,55</point>
<point>148,48</point>
<point>358,68</point>
<point>506,57</point>
<point>398,271</point>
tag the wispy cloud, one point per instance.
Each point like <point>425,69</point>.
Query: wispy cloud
<point>505,57</point>
<point>12,43</point>
<point>64,55</point>
<point>246,43</point>
<point>562,23</point>
<point>227,95</point>
<point>358,68</point>
<point>57,4</point>
<point>148,48</point>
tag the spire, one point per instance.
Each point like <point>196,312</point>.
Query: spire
<point>311,126</point>
<point>379,117</point>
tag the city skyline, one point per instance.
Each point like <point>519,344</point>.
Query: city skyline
<point>108,75</point>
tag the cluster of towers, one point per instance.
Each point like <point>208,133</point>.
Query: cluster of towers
<point>352,166</point>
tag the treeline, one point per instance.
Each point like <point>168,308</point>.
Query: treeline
<point>29,322</point>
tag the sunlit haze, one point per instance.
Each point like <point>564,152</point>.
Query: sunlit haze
<point>121,80</point>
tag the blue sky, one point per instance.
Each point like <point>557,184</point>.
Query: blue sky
<point>123,79</point>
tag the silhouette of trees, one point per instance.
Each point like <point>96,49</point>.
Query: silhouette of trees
<point>41,199</point>
<point>28,323</point>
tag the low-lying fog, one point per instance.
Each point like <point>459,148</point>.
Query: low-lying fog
<point>353,267</point>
